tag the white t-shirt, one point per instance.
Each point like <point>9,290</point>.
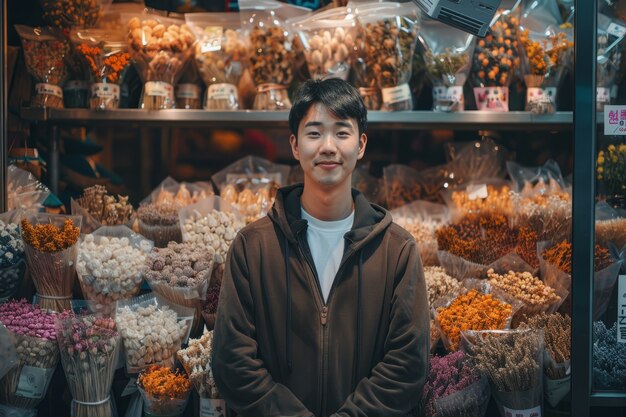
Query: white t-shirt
<point>327,243</point>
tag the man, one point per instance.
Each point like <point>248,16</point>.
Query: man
<point>323,307</point>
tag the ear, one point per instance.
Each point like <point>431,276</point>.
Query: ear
<point>362,145</point>
<point>293,141</point>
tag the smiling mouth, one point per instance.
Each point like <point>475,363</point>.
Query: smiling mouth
<point>327,163</point>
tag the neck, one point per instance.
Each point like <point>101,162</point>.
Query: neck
<point>327,205</point>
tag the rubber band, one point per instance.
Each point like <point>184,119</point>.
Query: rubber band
<point>95,403</point>
<point>52,297</point>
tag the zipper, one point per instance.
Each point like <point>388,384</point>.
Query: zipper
<point>324,315</point>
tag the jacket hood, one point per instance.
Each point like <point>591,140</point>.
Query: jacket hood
<point>370,219</point>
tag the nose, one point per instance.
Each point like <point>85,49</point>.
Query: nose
<point>328,145</point>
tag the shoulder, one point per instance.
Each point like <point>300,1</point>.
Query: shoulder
<point>258,229</point>
<point>400,234</point>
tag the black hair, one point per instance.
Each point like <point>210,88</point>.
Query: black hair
<point>338,96</point>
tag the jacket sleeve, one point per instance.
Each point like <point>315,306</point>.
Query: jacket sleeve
<point>395,384</point>
<point>240,375</point>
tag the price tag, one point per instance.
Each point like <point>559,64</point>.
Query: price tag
<point>615,120</point>
<point>210,407</point>
<point>529,412</point>
<point>475,191</point>
<point>616,30</point>
<point>105,90</point>
<point>222,91</point>
<point>621,309</point>
<point>396,94</point>
<point>33,382</point>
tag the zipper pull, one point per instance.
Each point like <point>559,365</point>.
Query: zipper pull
<point>324,316</point>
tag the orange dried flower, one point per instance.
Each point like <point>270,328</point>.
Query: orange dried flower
<point>160,381</point>
<point>560,255</point>
<point>104,66</point>
<point>48,237</point>
<point>472,311</point>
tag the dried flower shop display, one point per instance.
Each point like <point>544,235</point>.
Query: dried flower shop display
<point>611,230</point>
<point>495,60</point>
<point>403,185</point>
<point>328,41</point>
<point>560,255</point>
<point>164,392</point>
<point>98,208</point>
<point>535,296</point>
<point>513,362</point>
<point>35,337</point>
<point>270,49</point>
<point>557,332</point>
<point>181,273</point>
<point>152,331</point>
<point>439,284</point>
<point>480,199</point>
<point>481,241</point>
<point>447,59</point>
<point>385,44</point>
<point>549,214</point>
<point>110,266</point>
<point>89,347</point>
<point>611,169</point>
<point>68,14</point>
<point>609,367</point>
<point>221,54</point>
<point>159,222</point>
<point>24,191</point>
<point>12,263</point>
<point>471,310</point>
<point>50,245</point>
<point>105,56</point>
<point>160,48</point>
<point>454,388</point>
<point>196,359</point>
<point>45,51</point>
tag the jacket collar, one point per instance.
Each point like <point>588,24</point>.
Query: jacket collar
<point>369,219</point>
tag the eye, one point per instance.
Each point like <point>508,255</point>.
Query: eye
<point>313,134</point>
<point>343,134</point>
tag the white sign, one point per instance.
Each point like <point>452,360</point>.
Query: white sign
<point>475,191</point>
<point>616,30</point>
<point>615,120</point>
<point>33,382</point>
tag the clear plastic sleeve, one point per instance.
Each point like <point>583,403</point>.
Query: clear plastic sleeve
<point>221,54</point>
<point>26,384</point>
<point>328,40</point>
<point>447,58</point>
<point>403,185</point>
<point>98,208</point>
<point>469,402</point>
<point>385,45</point>
<point>547,51</point>
<point>152,330</point>
<point>610,226</point>
<point>513,362</point>
<point>8,354</point>
<point>495,60</point>
<point>610,34</point>
<point>105,55</point>
<point>24,191</point>
<point>421,218</point>
<point>89,347</point>
<point>52,272</point>
<point>272,55</point>
<point>160,48</point>
<point>478,197</point>
<point>45,51</point>
<point>12,263</point>
<point>68,14</point>
<point>476,160</point>
<point>163,407</point>
<point>544,179</point>
<point>110,266</point>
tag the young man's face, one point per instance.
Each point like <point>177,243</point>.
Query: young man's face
<point>327,147</point>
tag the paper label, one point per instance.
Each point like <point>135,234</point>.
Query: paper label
<point>160,89</point>
<point>105,90</point>
<point>614,120</point>
<point>191,295</point>
<point>621,309</point>
<point>616,30</point>
<point>530,412</point>
<point>210,407</point>
<point>492,98</point>
<point>49,89</point>
<point>556,389</point>
<point>34,382</point>
<point>475,191</point>
<point>76,85</point>
<point>603,95</point>
<point>190,91</point>
<point>448,98</point>
<point>130,388</point>
<point>396,94</point>
<point>211,40</point>
<point>221,91</point>
<point>540,95</point>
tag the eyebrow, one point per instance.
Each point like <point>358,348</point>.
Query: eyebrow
<point>338,123</point>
